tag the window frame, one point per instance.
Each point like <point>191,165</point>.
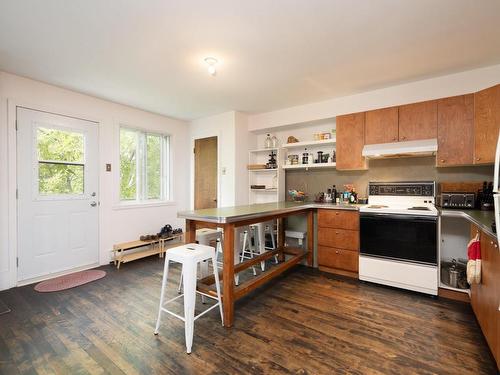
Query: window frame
<point>141,197</point>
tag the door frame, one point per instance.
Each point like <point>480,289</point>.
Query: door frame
<point>13,214</point>
<point>201,135</point>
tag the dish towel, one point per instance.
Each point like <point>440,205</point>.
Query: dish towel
<point>474,263</point>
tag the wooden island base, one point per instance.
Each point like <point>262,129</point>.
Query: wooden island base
<point>287,257</point>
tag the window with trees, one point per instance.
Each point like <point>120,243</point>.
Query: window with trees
<point>144,166</point>
<point>61,162</point>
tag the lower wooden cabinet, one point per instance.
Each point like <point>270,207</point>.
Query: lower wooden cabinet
<point>338,241</point>
<point>341,259</point>
<point>485,297</point>
<point>339,238</point>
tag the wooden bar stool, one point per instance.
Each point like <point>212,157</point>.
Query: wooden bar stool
<point>189,256</point>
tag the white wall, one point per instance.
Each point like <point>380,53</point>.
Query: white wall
<point>444,86</point>
<point>116,224</point>
<point>233,142</point>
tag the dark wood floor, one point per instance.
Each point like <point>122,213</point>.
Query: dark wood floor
<point>303,323</point>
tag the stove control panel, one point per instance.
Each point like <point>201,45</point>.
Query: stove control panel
<point>404,189</point>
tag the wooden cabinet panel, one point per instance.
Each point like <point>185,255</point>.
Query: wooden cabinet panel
<point>338,258</point>
<point>340,238</point>
<point>455,131</point>
<point>486,124</point>
<point>340,219</point>
<point>381,126</point>
<point>485,297</point>
<point>418,121</point>
<point>350,141</point>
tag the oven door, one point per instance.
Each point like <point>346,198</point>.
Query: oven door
<point>401,237</point>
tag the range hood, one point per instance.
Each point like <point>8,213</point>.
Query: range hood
<point>425,147</point>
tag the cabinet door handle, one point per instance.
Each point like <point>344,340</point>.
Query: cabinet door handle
<point>491,242</point>
<point>394,139</point>
<point>336,232</point>
<point>477,159</point>
<point>443,161</point>
<point>336,213</point>
<point>336,251</point>
<point>403,138</point>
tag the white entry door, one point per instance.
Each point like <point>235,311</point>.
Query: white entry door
<point>57,174</point>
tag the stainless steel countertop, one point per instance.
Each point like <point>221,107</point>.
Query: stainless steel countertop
<point>483,219</point>
<point>238,213</point>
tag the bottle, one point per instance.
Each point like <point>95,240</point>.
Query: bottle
<point>305,156</point>
<point>334,193</point>
<point>274,142</point>
<point>268,143</point>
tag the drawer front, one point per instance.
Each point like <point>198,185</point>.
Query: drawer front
<point>339,238</point>
<point>341,219</point>
<point>343,259</point>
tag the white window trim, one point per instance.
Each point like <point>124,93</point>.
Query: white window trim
<point>166,171</point>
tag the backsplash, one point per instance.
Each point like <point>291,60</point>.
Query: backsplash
<point>405,169</point>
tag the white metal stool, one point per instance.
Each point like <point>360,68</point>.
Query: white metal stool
<point>260,240</point>
<point>189,256</point>
<point>204,236</point>
<point>237,249</point>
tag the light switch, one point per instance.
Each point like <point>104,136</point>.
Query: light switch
<point>223,171</point>
<point>108,167</point>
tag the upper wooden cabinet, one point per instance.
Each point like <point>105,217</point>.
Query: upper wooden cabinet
<point>455,131</point>
<point>381,126</point>
<point>350,141</point>
<point>418,121</point>
<point>486,124</point>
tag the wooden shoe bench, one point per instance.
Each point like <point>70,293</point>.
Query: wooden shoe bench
<point>122,254</point>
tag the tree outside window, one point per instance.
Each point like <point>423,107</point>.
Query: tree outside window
<point>144,161</point>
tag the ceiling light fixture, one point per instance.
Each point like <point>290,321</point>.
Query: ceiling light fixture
<point>211,62</point>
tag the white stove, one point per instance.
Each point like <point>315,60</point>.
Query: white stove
<point>398,236</point>
<point>404,198</point>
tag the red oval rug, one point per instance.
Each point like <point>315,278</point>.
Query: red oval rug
<point>69,281</point>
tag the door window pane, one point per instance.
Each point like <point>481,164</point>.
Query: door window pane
<point>153,165</point>
<point>60,145</point>
<point>61,161</point>
<point>128,164</point>
<point>56,178</point>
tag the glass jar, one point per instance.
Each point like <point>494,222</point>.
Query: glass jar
<point>268,143</point>
<point>274,142</point>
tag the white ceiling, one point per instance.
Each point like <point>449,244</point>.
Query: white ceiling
<point>274,53</point>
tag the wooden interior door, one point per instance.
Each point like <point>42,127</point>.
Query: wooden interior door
<point>205,177</point>
<point>486,124</point>
<point>418,121</point>
<point>455,131</point>
<point>350,141</point>
<point>381,126</point>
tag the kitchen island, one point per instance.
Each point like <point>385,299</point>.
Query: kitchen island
<point>230,218</point>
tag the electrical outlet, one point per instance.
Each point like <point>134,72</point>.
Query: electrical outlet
<point>108,167</point>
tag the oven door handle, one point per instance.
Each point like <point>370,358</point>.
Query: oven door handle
<point>399,217</point>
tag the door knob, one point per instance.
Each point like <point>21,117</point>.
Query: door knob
<point>93,204</point>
